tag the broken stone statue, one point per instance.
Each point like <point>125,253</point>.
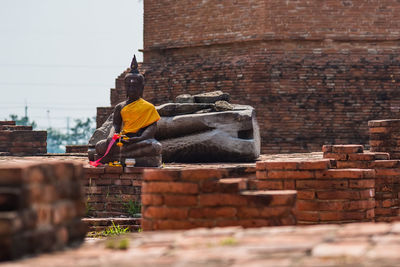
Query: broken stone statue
<point>202,128</point>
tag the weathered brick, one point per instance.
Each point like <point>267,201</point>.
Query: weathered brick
<point>161,175</point>
<point>180,200</point>
<point>346,174</point>
<point>362,183</point>
<point>165,213</point>
<point>207,213</point>
<point>169,187</point>
<point>263,184</point>
<point>304,194</point>
<point>222,199</point>
<point>152,199</point>
<point>323,184</point>
<point>172,225</point>
<point>348,149</point>
<point>202,174</point>
<point>296,174</point>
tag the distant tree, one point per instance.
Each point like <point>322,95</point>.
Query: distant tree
<point>23,121</point>
<point>56,141</point>
<point>81,132</point>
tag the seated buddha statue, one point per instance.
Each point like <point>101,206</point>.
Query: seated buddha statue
<point>135,123</point>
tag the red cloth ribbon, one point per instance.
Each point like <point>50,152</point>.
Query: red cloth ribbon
<point>97,162</point>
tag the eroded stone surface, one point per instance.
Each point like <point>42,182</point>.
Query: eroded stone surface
<point>227,136</point>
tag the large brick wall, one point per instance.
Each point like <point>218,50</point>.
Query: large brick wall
<point>315,71</point>
<point>21,140</point>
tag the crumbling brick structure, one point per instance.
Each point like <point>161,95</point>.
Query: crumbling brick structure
<point>21,140</point>
<point>204,197</point>
<point>316,71</point>
<point>41,206</point>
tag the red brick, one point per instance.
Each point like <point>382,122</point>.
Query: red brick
<point>161,175</point>
<point>385,212</point>
<point>278,165</point>
<point>385,164</point>
<point>263,184</point>
<point>172,225</point>
<point>305,194</point>
<point>311,216</point>
<point>359,205</point>
<point>349,194</point>
<point>335,156</point>
<point>322,184</point>
<point>234,183</point>
<point>12,175</point>
<point>94,170</point>
<point>113,169</point>
<point>180,200</point>
<point>230,185</point>
<point>348,149</point>
<point>165,213</point>
<point>255,223</point>
<point>102,182</point>
<point>110,176</point>
<point>290,174</point>
<point>353,165</point>
<point>289,184</point>
<point>202,174</point>
<point>382,156</point>
<point>129,176</point>
<point>362,156</point>
<point>376,142</point>
<point>327,148</point>
<point>152,199</point>
<point>123,182</point>
<point>146,224</point>
<point>339,216</point>
<point>362,183</point>
<point>262,212</point>
<point>170,187</point>
<point>206,213</point>
<point>261,175</point>
<point>222,199</point>
<point>314,165</point>
<point>245,223</point>
<point>346,174</point>
<point>312,205</point>
<point>379,130</point>
<point>388,172</point>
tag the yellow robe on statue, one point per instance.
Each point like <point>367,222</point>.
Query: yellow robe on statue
<point>138,115</point>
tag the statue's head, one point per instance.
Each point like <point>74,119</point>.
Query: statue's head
<point>134,81</point>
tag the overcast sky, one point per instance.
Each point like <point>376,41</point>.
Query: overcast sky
<point>61,57</point>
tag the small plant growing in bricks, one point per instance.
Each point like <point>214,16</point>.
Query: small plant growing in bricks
<point>110,231</point>
<point>115,230</point>
<point>88,207</point>
<point>133,208</point>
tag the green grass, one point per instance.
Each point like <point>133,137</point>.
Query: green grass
<point>113,230</point>
<point>132,207</point>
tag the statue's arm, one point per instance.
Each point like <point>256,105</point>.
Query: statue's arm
<point>117,119</point>
<point>148,133</point>
<point>117,122</point>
